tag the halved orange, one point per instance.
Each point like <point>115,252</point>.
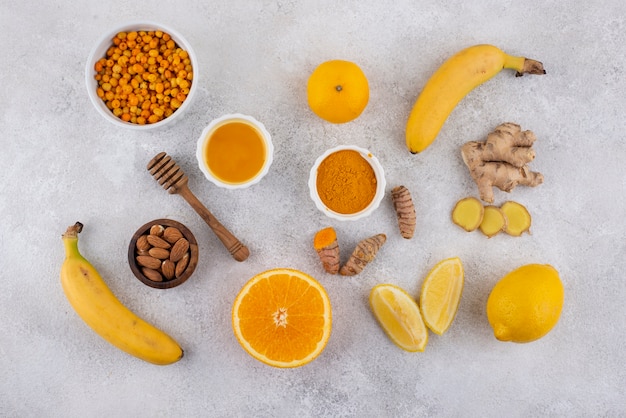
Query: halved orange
<point>282,317</point>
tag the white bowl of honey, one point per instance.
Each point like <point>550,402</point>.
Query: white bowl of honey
<point>235,151</point>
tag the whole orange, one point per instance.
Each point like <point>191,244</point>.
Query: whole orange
<point>338,91</point>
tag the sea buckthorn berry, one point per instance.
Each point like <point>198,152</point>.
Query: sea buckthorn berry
<point>144,76</point>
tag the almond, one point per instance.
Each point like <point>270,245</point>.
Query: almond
<point>160,253</point>
<point>143,252</point>
<point>168,268</point>
<point>181,265</point>
<point>172,234</point>
<point>157,230</point>
<point>151,274</point>
<point>158,242</point>
<point>148,261</point>
<point>179,249</point>
<point>142,243</point>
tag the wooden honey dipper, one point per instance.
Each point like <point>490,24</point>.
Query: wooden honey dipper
<point>173,179</point>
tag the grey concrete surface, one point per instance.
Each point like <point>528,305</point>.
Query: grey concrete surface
<point>62,163</point>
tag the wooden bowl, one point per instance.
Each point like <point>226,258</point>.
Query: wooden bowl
<point>175,281</point>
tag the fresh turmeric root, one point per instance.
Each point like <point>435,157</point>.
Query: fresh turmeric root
<point>502,160</point>
<point>364,253</point>
<point>405,210</point>
<point>327,247</point>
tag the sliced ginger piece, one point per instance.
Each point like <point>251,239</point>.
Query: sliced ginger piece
<point>493,221</point>
<point>518,218</point>
<point>327,247</point>
<point>468,213</point>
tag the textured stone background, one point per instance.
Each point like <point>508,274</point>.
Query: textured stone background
<point>61,162</point>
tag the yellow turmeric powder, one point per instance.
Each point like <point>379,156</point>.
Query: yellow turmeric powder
<point>346,182</point>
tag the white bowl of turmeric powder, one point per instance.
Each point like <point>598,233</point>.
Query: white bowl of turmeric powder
<point>142,75</point>
<point>347,183</point>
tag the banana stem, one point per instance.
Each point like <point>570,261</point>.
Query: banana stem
<point>70,238</point>
<point>73,231</point>
<point>523,65</point>
<point>532,67</point>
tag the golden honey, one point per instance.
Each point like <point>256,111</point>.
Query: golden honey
<point>235,152</point>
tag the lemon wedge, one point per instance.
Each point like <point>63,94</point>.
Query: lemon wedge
<point>399,316</point>
<point>441,294</point>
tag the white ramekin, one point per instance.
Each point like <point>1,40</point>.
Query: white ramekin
<point>206,135</point>
<point>380,184</point>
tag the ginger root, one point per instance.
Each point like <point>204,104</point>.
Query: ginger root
<point>493,221</point>
<point>511,217</point>
<point>518,218</point>
<point>327,247</point>
<point>364,253</point>
<point>405,210</point>
<point>468,213</point>
<point>501,160</point>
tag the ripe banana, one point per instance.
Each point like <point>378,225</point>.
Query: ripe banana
<point>455,78</point>
<point>104,313</point>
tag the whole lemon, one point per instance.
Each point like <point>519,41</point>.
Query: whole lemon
<point>526,303</point>
<point>338,91</point>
